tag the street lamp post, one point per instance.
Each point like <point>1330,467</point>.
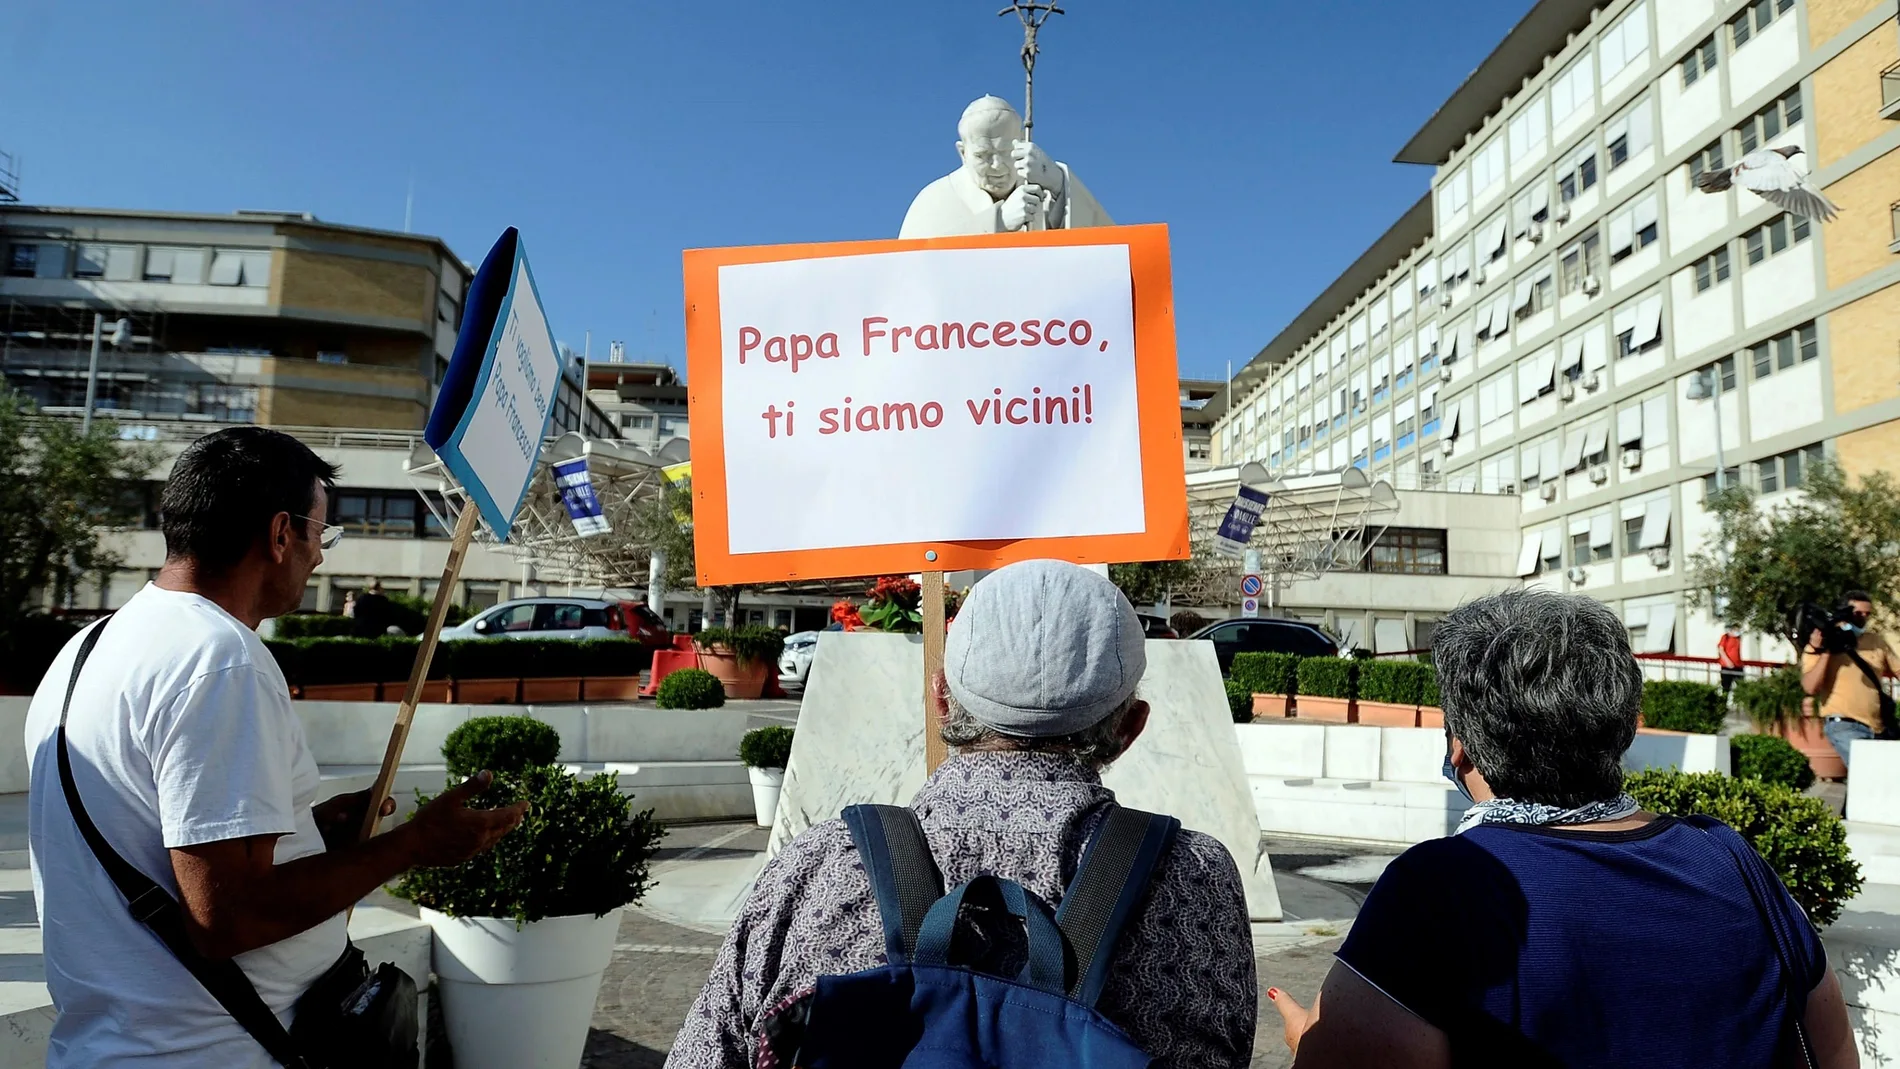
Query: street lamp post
<point>121,333</point>
<point>1703,388</point>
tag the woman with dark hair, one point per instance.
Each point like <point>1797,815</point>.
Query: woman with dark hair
<point>1561,925</point>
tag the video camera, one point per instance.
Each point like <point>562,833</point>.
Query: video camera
<point>1835,625</point>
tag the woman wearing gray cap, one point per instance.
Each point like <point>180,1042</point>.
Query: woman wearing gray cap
<point>1562,925</point>
<point>1037,696</point>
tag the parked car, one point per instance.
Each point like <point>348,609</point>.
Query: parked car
<point>575,618</point>
<point>794,665</point>
<point>1265,636</point>
<point>1157,627</point>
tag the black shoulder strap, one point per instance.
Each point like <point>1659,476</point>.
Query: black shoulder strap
<point>903,875</point>
<point>1111,882</point>
<point>1795,998</point>
<point>157,910</point>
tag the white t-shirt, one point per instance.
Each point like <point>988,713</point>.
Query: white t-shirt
<point>181,733</point>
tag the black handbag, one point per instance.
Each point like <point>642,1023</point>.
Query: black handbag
<point>350,1017</point>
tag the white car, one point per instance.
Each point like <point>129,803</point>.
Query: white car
<point>575,618</point>
<point>794,665</point>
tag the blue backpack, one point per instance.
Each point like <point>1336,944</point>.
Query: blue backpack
<point>925,1010</point>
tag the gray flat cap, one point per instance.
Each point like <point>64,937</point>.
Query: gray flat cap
<point>1044,648</point>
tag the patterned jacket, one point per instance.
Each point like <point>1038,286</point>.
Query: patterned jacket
<point>1182,982</point>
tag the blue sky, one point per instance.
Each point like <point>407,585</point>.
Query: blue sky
<point>617,134</point>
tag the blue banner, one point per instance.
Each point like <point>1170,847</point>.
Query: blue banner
<point>577,493</point>
<point>1236,528</point>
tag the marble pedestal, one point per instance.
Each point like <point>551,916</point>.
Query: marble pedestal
<point>860,739</point>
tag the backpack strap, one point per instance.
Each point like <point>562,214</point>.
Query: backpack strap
<point>903,875</point>
<point>1111,881</point>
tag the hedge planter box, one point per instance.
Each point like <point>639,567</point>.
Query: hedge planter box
<point>1807,736</point>
<point>610,689</point>
<point>341,692</point>
<point>1329,710</point>
<point>551,689</point>
<point>1431,716</point>
<point>1273,706</point>
<point>747,681</point>
<point>1387,714</point>
<point>519,996</point>
<point>488,691</point>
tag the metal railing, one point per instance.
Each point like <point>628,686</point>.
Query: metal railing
<point>1678,667</point>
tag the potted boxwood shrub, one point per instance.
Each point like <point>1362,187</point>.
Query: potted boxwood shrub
<point>740,657</point>
<point>611,669</point>
<point>1776,705</point>
<point>551,669</point>
<point>690,688</point>
<point>1272,679</point>
<point>765,752</point>
<point>1326,689</point>
<point>1431,713</point>
<point>1682,706</point>
<point>1388,693</point>
<point>341,669</point>
<point>483,670</point>
<point>524,932</point>
<point>1239,701</point>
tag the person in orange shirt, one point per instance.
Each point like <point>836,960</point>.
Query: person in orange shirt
<point>1728,652</point>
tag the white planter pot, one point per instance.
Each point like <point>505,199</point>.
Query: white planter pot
<point>766,783</point>
<point>520,999</point>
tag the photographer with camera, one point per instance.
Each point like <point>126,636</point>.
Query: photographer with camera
<point>1841,666</point>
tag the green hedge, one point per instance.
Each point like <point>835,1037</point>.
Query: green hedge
<point>1397,682</point>
<point>752,645</point>
<point>1773,699</point>
<point>1266,673</point>
<point>314,625</point>
<point>1800,837</point>
<point>1679,705</point>
<point>317,661</point>
<point>1327,677</point>
<point>1239,701</point>
<point>1770,759</point>
<point>1428,690</point>
<point>690,688</point>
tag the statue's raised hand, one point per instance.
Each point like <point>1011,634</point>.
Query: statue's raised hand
<point>1034,167</point>
<point>1022,204</point>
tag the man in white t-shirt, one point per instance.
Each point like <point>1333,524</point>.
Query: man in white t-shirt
<point>191,762</point>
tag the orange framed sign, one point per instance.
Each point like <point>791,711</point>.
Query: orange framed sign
<point>881,407</point>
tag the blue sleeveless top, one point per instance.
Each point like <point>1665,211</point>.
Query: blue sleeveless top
<point>1534,946</point>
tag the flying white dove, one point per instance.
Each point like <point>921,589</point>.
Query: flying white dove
<point>1768,173</point>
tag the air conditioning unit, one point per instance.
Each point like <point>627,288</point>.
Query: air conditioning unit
<point>1577,576</point>
<point>1592,285</point>
<point>1444,299</point>
<point>1562,214</point>
<point>1592,381</point>
<point>1632,459</point>
<point>1447,446</point>
<point>1536,231</point>
<point>1600,474</point>
<point>1479,275</point>
<point>1567,391</point>
<point>1548,491</point>
<point>1444,373</point>
<point>1508,488</point>
<point>1659,556</point>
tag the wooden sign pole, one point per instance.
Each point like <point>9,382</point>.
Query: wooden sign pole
<point>934,749</point>
<point>419,674</point>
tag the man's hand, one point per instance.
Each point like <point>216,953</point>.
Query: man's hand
<point>1022,204</point>
<point>1815,641</point>
<point>340,818</point>
<point>447,832</point>
<point>1034,166</point>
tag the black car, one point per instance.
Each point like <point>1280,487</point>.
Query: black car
<point>1265,636</point>
<point>1156,627</point>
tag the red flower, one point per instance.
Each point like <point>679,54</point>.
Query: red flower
<point>845,614</point>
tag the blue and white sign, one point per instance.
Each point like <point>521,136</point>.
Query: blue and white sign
<point>498,393</point>
<point>1236,528</point>
<point>577,493</point>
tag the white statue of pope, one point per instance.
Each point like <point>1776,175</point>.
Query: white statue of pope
<point>1004,182</point>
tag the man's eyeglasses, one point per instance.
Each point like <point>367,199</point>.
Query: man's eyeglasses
<point>328,535</point>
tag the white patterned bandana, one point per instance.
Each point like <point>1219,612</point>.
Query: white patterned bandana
<point>1512,811</point>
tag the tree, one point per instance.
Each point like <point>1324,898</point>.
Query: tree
<point>58,490</point>
<point>1153,582</point>
<point>1766,560</point>
<point>664,524</point>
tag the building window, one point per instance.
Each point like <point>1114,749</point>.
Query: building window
<point>1783,471</point>
<point>1731,480</point>
<point>1572,91</point>
<point>1199,450</point>
<point>1768,123</point>
<point>637,423</point>
<point>23,261</point>
<point>1774,238</point>
<point>1633,229</point>
<point>1579,176</point>
<point>1407,551</point>
<point>673,427</point>
<point>180,266</point>
<point>1406,433</point>
<point>1755,18</point>
<point>1623,44</point>
<point>1582,260</point>
<point>240,267</point>
<point>377,513</point>
<point>1632,535</point>
<point>1711,269</point>
<point>1724,370</point>
<point>1708,160</point>
<point>1700,61</point>
<point>1784,351</point>
<point>1630,135</point>
<point>1583,551</point>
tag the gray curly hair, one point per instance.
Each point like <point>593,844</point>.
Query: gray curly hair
<point>1096,746</point>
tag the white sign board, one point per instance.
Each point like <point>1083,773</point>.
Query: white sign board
<point>874,399</point>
